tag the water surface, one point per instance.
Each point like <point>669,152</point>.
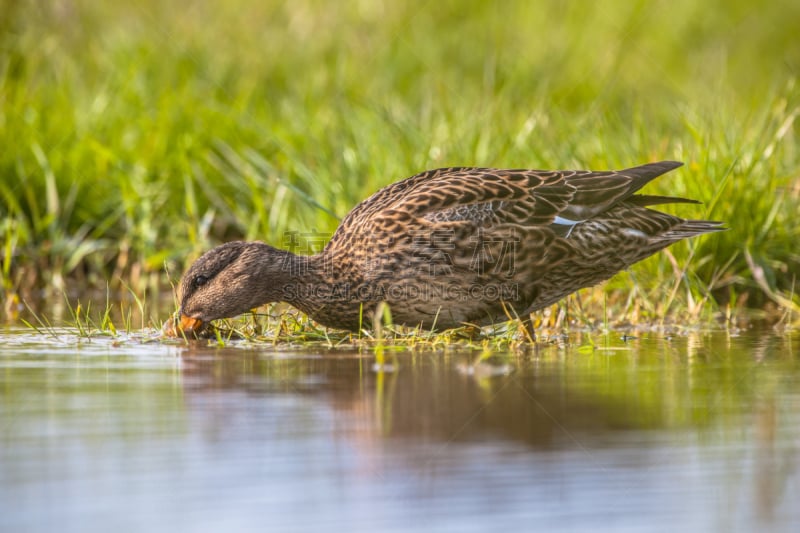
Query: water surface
<point>695,432</point>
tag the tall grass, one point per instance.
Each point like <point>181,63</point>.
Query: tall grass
<point>137,135</point>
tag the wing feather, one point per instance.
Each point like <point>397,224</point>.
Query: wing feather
<point>487,197</point>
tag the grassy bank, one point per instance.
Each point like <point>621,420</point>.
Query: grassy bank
<point>135,137</point>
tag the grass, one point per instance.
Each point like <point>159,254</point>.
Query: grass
<point>278,324</point>
<point>136,136</point>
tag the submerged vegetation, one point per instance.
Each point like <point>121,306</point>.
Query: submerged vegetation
<point>136,136</point>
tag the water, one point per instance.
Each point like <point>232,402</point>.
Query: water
<point>695,432</point>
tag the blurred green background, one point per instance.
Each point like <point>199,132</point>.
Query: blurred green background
<point>135,135</point>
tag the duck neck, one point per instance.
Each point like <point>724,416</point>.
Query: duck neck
<point>298,268</point>
<point>311,284</point>
<point>299,275</point>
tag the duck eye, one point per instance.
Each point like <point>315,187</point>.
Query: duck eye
<point>199,280</point>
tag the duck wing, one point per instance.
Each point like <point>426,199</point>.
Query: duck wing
<point>488,196</point>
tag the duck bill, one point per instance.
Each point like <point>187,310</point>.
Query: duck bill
<point>190,325</point>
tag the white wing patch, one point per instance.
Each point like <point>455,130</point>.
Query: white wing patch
<point>565,221</point>
<point>635,233</point>
<point>565,231</point>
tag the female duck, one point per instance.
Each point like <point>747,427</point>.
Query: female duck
<point>450,247</point>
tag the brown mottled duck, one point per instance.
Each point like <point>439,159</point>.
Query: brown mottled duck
<point>449,247</point>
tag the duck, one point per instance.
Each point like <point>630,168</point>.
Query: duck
<point>446,248</point>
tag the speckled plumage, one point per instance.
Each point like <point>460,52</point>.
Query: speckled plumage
<point>451,246</point>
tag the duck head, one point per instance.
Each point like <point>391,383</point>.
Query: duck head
<point>227,281</point>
